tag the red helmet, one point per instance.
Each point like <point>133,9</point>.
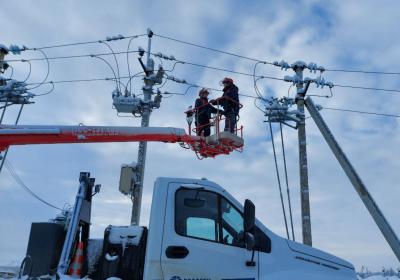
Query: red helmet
<point>226,80</point>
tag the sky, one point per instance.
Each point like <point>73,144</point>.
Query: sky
<point>334,34</point>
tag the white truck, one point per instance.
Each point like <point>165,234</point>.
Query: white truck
<point>198,231</point>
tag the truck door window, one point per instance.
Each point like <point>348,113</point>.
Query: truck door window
<point>232,224</point>
<point>196,214</point>
<point>209,216</point>
<point>200,227</point>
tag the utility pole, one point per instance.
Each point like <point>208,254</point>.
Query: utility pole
<point>146,110</point>
<point>132,175</point>
<point>358,184</point>
<point>298,67</point>
<point>298,80</point>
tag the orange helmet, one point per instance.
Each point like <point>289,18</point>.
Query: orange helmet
<point>226,80</point>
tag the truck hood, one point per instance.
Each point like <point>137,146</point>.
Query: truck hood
<point>327,259</point>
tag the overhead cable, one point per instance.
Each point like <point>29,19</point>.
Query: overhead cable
<point>211,49</point>
<point>47,73</point>
<point>85,42</point>
<point>206,48</point>
<point>270,63</point>
<point>117,79</point>
<point>70,56</point>
<point>127,61</point>
<point>279,180</point>
<point>367,88</point>
<point>259,77</point>
<point>361,112</point>
<point>287,181</point>
<point>21,183</point>
<point>363,71</point>
<point>197,65</point>
<point>116,63</point>
<point>86,80</point>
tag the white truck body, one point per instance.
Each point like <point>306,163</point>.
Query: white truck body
<point>201,248</point>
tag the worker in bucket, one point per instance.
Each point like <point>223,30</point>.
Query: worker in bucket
<point>230,103</point>
<point>203,111</point>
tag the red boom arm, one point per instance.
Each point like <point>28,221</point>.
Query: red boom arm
<point>35,134</point>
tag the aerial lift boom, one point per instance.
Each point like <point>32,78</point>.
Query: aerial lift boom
<point>39,134</point>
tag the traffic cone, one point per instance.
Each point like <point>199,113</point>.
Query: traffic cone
<point>75,269</point>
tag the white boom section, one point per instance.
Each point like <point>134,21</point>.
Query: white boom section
<point>71,233</point>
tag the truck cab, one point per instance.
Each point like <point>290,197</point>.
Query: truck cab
<point>197,230</point>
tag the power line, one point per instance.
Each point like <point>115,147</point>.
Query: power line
<point>249,96</point>
<point>85,42</point>
<point>86,80</point>
<point>211,49</point>
<point>127,52</point>
<point>188,63</point>
<point>197,65</point>
<point>259,60</point>
<point>127,77</point>
<point>363,71</point>
<point>21,183</point>
<point>216,68</point>
<point>275,78</point>
<point>191,85</point>
<point>113,79</point>
<point>70,56</point>
<point>203,47</point>
<point>367,88</point>
<point>279,180</point>
<point>48,92</point>
<point>361,112</point>
<point>287,181</point>
<point>48,70</point>
<point>225,70</point>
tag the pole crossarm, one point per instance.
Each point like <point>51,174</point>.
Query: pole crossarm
<point>355,179</point>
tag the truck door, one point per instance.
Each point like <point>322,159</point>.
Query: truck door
<point>203,237</point>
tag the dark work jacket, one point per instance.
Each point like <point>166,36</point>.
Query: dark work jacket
<point>231,106</point>
<point>204,109</point>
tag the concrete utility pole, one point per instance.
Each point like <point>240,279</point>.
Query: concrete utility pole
<point>146,110</point>
<point>359,186</point>
<point>132,175</point>
<point>298,67</point>
<point>298,80</point>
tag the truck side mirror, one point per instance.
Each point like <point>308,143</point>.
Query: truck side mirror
<point>249,240</point>
<point>249,224</point>
<point>249,216</point>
